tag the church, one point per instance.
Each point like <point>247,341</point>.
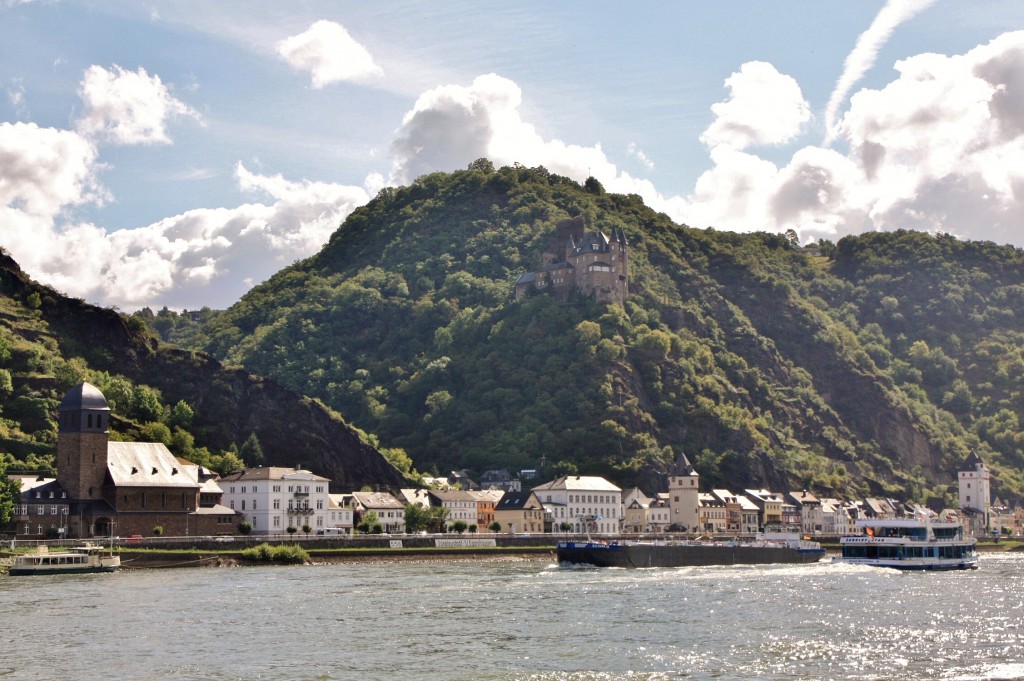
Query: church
<point>105,488</point>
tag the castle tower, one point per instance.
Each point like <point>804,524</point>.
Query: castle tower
<point>683,501</point>
<point>974,482</point>
<point>83,425</point>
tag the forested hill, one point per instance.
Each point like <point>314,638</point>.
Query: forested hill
<point>205,412</point>
<point>873,368</point>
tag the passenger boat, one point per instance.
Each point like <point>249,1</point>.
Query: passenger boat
<point>765,549</point>
<point>83,559</point>
<point>911,544</point>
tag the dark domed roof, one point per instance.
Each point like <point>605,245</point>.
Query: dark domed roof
<point>84,396</point>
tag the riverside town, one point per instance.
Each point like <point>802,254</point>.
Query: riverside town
<point>131,493</point>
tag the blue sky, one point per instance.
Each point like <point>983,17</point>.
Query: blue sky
<point>176,153</point>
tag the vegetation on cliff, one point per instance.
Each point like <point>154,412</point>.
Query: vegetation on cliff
<point>219,417</point>
<point>873,370</point>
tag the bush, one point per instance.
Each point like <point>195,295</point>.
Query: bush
<point>265,553</point>
<point>245,527</point>
<point>158,531</point>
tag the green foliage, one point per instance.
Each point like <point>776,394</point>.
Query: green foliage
<point>459,526</point>
<point>245,528</point>
<point>282,553</point>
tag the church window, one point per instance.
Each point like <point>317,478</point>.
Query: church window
<point>89,421</point>
<point>143,500</point>
<point>163,499</point>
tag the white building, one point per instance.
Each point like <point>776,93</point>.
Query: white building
<point>389,510</point>
<point>683,495</point>
<point>582,500</point>
<point>340,512</point>
<point>274,499</point>
<point>461,505</point>
<point>975,492</point>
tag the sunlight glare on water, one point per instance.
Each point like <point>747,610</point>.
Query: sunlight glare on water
<point>519,620</point>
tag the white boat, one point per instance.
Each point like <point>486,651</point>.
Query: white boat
<point>74,560</point>
<point>911,544</point>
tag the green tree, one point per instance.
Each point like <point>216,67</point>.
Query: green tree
<point>9,491</point>
<point>495,526</point>
<point>415,518</point>
<point>245,528</point>
<point>251,452</point>
<point>459,526</point>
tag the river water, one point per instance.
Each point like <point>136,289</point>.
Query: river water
<point>517,620</point>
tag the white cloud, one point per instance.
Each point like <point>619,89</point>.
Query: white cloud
<point>865,52</point>
<point>940,148</point>
<point>201,257</point>
<point>44,169</point>
<point>636,152</point>
<point>127,107</point>
<point>330,54</point>
<point>764,107</point>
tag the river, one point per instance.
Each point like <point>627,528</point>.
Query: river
<point>517,620</point>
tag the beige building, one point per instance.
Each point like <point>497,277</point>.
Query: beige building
<point>519,512</point>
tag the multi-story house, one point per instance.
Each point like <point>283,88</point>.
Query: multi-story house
<point>741,513</point>
<point>769,506</point>
<point>713,514</point>
<point>683,489</point>
<point>486,500</point>
<point>340,513</point>
<point>389,510</point>
<point>274,499</point>
<point>659,513</point>
<point>634,510</point>
<point>42,508</point>
<point>519,512</point>
<point>461,505</point>
<point>809,508</point>
<point>583,502</point>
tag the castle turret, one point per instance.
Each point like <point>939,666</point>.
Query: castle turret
<point>82,431</point>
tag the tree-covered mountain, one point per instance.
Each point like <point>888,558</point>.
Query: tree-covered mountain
<point>212,415</point>
<point>873,368</point>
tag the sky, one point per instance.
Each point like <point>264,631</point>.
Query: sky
<point>178,153</point>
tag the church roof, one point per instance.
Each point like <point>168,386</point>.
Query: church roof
<point>84,396</point>
<point>972,463</point>
<point>147,464</point>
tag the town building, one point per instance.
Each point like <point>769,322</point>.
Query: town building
<point>275,498</point>
<point>741,513</point>
<point>634,510</point>
<point>769,507</point>
<point>389,510</point>
<point>500,479</point>
<point>486,501</point>
<point>659,513</point>
<point>713,514</point>
<point>810,516</point>
<point>974,483</point>
<point>42,508</point>
<point>519,511</point>
<point>126,488</point>
<point>683,490</point>
<point>582,502</point>
<point>340,515</point>
<point>461,505</point>
<point>589,265</point>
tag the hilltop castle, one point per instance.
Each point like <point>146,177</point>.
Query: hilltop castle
<point>592,265</point>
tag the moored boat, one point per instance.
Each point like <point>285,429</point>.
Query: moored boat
<point>680,553</point>
<point>910,544</point>
<point>84,559</point>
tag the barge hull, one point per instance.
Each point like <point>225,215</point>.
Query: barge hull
<point>683,555</point>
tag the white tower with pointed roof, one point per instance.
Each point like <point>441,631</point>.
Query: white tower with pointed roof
<point>683,499</point>
<point>975,486</point>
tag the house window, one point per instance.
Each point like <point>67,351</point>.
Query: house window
<point>277,521</point>
<point>243,504</point>
<point>277,504</point>
<point>53,509</point>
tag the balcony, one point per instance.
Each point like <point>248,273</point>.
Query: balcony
<point>302,495</point>
<point>300,511</point>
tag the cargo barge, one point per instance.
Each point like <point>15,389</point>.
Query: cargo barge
<point>650,554</point>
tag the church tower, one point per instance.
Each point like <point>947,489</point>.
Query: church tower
<point>683,499</point>
<point>83,426</point>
